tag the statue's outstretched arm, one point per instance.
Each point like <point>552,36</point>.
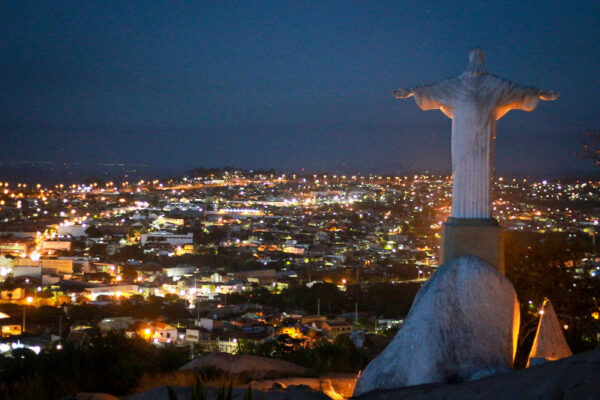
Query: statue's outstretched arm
<point>403,93</point>
<point>520,97</point>
<point>549,95</point>
<point>437,96</point>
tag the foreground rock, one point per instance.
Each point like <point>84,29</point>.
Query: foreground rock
<point>465,320</point>
<point>573,378</point>
<point>246,366</point>
<point>90,396</point>
<point>336,386</point>
<point>550,343</point>
<point>184,393</point>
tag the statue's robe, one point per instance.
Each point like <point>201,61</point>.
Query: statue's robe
<point>474,102</point>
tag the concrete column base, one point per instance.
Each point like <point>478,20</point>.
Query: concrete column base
<point>478,237</point>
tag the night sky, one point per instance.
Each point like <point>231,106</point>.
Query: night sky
<point>286,84</point>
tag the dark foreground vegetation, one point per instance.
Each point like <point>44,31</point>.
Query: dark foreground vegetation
<point>109,363</point>
<point>322,356</point>
<point>112,363</point>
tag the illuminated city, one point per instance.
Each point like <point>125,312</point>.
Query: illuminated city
<point>219,200</point>
<point>197,240</point>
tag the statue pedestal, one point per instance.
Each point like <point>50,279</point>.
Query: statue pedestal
<point>478,237</point>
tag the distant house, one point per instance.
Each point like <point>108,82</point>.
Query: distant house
<point>262,275</point>
<point>56,245</point>
<point>65,229</point>
<point>114,290</point>
<point>286,275</point>
<point>164,333</point>
<point>27,271</point>
<point>10,330</point>
<point>309,319</point>
<point>15,294</point>
<point>192,335</point>
<point>167,238</point>
<point>178,271</point>
<point>334,327</point>
<point>218,345</point>
<point>210,324</point>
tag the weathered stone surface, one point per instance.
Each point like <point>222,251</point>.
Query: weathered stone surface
<point>478,237</point>
<point>550,343</point>
<point>336,386</point>
<point>91,396</point>
<point>464,320</point>
<point>572,378</point>
<point>300,392</point>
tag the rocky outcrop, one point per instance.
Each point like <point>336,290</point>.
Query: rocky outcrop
<point>572,378</point>
<point>300,392</point>
<point>549,343</point>
<point>336,386</point>
<point>246,366</point>
<point>465,320</point>
<point>91,396</point>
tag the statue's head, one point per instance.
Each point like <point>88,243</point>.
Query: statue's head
<point>476,62</point>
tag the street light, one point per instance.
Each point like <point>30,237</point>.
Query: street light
<point>29,300</point>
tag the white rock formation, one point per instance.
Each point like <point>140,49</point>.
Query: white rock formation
<point>549,343</point>
<point>474,101</point>
<point>464,320</point>
<point>572,378</point>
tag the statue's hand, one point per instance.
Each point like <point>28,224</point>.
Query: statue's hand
<point>402,93</point>
<point>549,95</point>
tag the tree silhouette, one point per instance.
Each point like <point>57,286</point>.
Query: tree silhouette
<point>591,147</point>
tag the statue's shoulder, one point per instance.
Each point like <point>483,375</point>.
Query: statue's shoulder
<point>447,82</point>
<point>493,78</point>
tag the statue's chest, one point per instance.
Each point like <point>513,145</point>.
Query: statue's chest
<point>473,112</point>
<point>476,99</point>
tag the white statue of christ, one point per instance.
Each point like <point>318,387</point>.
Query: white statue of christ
<point>474,101</point>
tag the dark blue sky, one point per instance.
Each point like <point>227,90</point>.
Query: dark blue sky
<point>286,84</point>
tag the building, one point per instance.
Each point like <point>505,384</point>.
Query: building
<point>172,239</point>
<point>207,343</point>
<point>210,324</point>
<point>334,327</point>
<point>63,230</point>
<point>175,272</point>
<point>309,319</point>
<point>56,245</point>
<point>261,275</point>
<point>164,333</point>
<point>116,290</point>
<point>27,271</point>
<point>57,266</point>
<point>11,330</point>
